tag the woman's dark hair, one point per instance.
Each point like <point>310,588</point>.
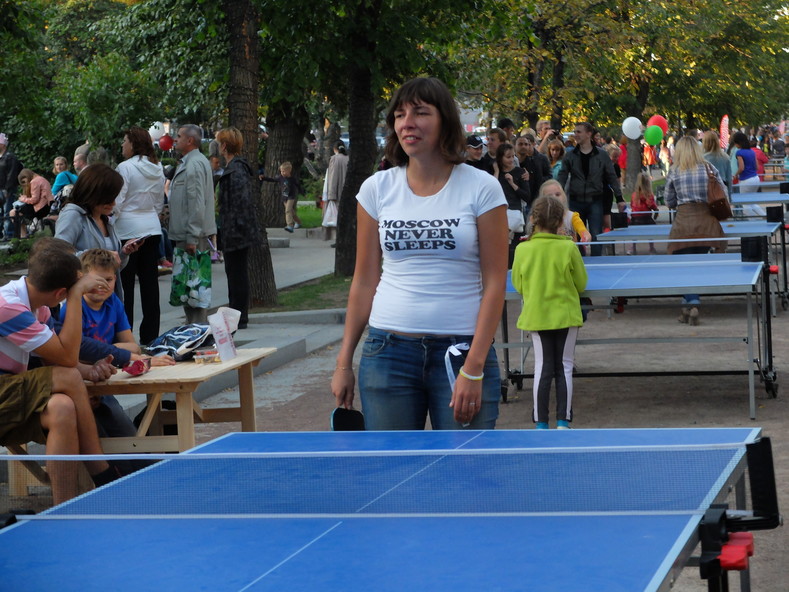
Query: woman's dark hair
<point>452,141</point>
<point>339,146</point>
<point>141,142</point>
<point>501,151</point>
<point>740,140</point>
<point>97,185</point>
<point>24,178</point>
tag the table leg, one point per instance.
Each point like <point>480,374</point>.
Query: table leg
<point>153,408</point>
<point>751,361</point>
<point>186,421</point>
<point>246,396</point>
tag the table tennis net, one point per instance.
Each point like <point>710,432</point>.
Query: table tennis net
<point>640,480</point>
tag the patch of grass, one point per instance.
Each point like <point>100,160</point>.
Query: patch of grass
<point>311,217</point>
<point>328,291</point>
<point>15,256</point>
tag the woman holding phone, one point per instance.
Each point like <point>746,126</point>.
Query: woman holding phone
<point>137,210</point>
<point>86,222</point>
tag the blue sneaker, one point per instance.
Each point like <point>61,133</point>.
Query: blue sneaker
<point>289,228</point>
<point>562,424</point>
<point>541,425</point>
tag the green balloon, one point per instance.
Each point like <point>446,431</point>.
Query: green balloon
<point>653,135</point>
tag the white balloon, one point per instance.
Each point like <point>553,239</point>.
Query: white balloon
<point>156,131</point>
<point>631,127</point>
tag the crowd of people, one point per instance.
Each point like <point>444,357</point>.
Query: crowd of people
<point>430,253</point>
<point>108,237</point>
<point>437,231</point>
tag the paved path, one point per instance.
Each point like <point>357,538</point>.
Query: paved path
<point>293,334</point>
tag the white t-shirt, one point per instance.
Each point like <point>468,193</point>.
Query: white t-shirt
<point>431,281</point>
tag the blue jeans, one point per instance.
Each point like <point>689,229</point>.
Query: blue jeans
<point>8,205</point>
<point>403,379</point>
<point>591,212</point>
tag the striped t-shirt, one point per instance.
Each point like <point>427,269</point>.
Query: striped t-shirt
<point>21,330</point>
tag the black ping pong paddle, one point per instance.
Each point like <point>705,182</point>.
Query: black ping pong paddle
<point>346,420</point>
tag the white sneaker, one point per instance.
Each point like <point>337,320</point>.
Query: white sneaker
<point>296,225</point>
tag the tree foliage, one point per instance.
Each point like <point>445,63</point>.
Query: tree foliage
<point>691,61</point>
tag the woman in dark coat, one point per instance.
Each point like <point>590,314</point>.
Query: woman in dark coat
<point>237,220</point>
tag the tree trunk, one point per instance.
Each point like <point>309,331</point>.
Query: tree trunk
<point>361,162</point>
<point>287,124</point>
<point>634,154</point>
<point>557,102</point>
<point>243,23</point>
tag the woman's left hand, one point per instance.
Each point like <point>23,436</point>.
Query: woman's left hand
<point>586,237</point>
<point>466,399</point>
<point>131,246</point>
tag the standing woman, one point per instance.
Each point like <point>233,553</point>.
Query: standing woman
<point>237,220</point>
<point>85,220</point>
<point>335,181</point>
<point>747,171</point>
<point>516,192</point>
<point>441,229</point>
<point>137,210</point>
<point>555,156</point>
<point>686,191</point>
<point>717,157</point>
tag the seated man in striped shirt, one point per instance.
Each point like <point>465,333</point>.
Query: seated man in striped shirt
<point>50,404</point>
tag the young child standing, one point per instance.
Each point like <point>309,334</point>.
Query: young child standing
<point>290,192</point>
<point>641,202</point>
<point>549,273</point>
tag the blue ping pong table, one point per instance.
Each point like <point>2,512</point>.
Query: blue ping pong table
<point>732,229</point>
<point>591,510</point>
<point>773,186</point>
<point>652,276</point>
<point>774,199</point>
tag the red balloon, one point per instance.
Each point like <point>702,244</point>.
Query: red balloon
<point>166,142</point>
<point>659,121</point>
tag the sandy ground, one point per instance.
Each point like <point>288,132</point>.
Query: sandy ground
<point>297,397</point>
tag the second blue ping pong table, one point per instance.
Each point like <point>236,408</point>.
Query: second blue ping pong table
<point>659,276</point>
<point>591,510</point>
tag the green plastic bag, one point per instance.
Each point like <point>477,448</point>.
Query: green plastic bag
<point>191,279</point>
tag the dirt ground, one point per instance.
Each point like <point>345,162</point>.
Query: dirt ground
<point>297,397</point>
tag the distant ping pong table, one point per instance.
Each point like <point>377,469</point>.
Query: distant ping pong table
<point>778,185</point>
<point>732,229</point>
<point>675,275</point>
<point>591,510</point>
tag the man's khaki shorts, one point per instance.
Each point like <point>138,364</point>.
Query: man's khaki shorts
<point>22,399</point>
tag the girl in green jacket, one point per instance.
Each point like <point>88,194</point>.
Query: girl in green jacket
<point>549,273</point>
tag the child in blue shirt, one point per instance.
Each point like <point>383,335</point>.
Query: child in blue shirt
<point>103,316</point>
<point>104,320</point>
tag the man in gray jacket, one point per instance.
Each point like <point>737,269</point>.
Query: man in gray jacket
<point>192,220</point>
<point>589,170</point>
